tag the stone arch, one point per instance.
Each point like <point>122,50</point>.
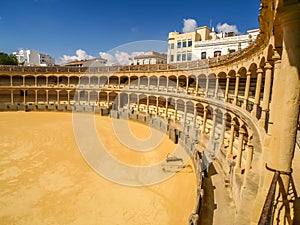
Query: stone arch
<point>134,81</point>
<point>222,84</point>
<point>211,79</point>
<point>172,81</point>
<point>63,80</point>
<point>74,81</point>
<point>123,100</point>
<point>202,79</point>
<point>113,81</point>
<point>231,87</point>
<point>161,105</point>
<point>5,96</point>
<point>93,97</point>
<point>143,82</point>
<point>103,80</point>
<point>63,96</point>
<point>163,81</point>
<point>182,81</point>
<point>4,80</point>
<point>52,80</point>
<point>52,96</point>
<point>242,81</point>
<point>124,80</point>
<point>41,96</point>
<point>142,103</point>
<point>41,80</point>
<point>17,80</point>
<point>94,80</point>
<point>153,81</point>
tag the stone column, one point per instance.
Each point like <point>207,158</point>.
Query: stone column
<point>47,81</point>
<point>195,116</point>
<point>204,121</point>
<point>167,83</point>
<point>139,82</point>
<point>267,94</point>
<point>23,81</point>
<point>47,97</point>
<point>206,87</point>
<point>128,101</point>
<point>231,139</point>
<point>11,81</point>
<point>24,97</point>
<point>148,83</point>
<point>175,111</point>
<point>238,168</point>
<point>197,84</point>
<point>35,81</point>
<point>227,88</point>
<point>184,115</point>
<point>166,109</point>
<point>236,89</point>
<point>148,104</point>
<point>68,81</point>
<point>68,97</point>
<point>12,97</point>
<point>224,125</point>
<point>247,89</point>
<point>213,129</point>
<point>35,99</point>
<point>177,84</point>
<point>249,158</point>
<point>287,98</point>
<point>89,97</point>
<point>217,87</point>
<point>187,85</point>
<point>275,90</point>
<point>257,91</point>
<point>157,106</point>
<point>107,98</point>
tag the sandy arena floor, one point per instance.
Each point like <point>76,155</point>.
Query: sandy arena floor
<point>45,180</point>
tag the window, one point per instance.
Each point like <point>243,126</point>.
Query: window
<point>190,43</point>
<point>183,57</point>
<point>217,53</point>
<point>203,55</point>
<point>184,44</point>
<point>178,57</point>
<point>172,58</point>
<point>172,45</point>
<point>231,50</point>
<point>189,56</point>
<point>178,44</point>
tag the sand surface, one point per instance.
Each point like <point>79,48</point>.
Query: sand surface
<point>45,180</point>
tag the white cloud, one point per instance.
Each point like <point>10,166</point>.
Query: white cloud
<point>80,55</point>
<point>189,25</point>
<point>118,58</point>
<point>225,27</point>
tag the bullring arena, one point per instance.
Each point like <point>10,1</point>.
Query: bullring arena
<point>239,111</point>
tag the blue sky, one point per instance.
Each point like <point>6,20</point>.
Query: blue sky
<point>60,27</point>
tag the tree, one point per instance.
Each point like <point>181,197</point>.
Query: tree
<point>6,59</point>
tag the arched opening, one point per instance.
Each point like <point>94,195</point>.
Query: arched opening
<point>74,81</point>
<point>17,80</point>
<point>202,79</point>
<point>5,96</point>
<point>4,80</point>
<point>41,96</point>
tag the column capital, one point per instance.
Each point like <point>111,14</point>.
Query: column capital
<point>268,66</point>
<point>249,73</point>
<point>242,130</point>
<point>259,70</point>
<point>276,56</point>
<point>227,76</point>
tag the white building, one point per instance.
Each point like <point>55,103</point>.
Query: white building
<point>34,58</point>
<point>96,62</point>
<point>28,57</point>
<point>149,58</point>
<point>204,43</point>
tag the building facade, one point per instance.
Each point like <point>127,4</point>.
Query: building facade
<point>34,58</point>
<point>46,60</point>
<point>96,62</point>
<point>204,43</point>
<point>148,59</point>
